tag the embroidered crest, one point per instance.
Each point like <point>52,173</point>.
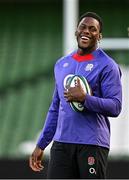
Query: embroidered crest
<point>91,160</point>
<point>65,64</point>
<point>89,67</point>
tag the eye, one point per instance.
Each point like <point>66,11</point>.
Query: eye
<point>82,26</point>
<point>93,28</point>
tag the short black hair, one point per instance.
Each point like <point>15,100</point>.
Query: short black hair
<point>93,15</point>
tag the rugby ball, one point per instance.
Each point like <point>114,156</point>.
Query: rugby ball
<point>77,106</point>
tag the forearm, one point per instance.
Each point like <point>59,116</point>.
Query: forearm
<point>105,106</point>
<point>48,131</point>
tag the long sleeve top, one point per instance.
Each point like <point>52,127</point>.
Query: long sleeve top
<point>92,125</point>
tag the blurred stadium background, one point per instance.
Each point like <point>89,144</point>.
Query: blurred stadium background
<point>33,35</point>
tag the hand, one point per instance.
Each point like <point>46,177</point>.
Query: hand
<point>35,159</point>
<point>75,93</point>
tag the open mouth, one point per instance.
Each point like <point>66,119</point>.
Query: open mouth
<point>84,38</point>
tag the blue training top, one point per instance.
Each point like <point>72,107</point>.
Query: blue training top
<point>91,126</point>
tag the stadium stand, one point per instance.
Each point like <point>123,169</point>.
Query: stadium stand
<point>27,57</point>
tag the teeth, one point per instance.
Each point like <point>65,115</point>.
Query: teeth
<point>84,37</point>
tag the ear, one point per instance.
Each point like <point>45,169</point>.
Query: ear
<point>100,36</point>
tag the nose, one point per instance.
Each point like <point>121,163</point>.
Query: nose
<point>86,30</point>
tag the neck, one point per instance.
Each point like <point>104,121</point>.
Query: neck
<point>84,51</point>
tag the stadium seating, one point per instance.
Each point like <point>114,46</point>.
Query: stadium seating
<point>27,57</point>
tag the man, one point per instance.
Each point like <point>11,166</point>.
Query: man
<point>81,139</point>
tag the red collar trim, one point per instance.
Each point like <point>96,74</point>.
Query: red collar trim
<point>80,58</point>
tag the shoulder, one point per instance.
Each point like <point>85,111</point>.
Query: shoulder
<point>107,60</point>
<point>109,63</point>
<point>63,59</point>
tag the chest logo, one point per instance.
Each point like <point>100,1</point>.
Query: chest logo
<point>65,64</point>
<point>89,67</point>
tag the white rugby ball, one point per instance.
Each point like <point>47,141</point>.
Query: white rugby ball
<point>78,106</point>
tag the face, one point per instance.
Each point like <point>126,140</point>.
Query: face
<point>87,34</point>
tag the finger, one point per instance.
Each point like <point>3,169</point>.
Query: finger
<point>35,166</point>
<point>32,164</point>
<point>38,166</point>
<point>67,86</point>
<point>35,169</point>
<point>65,92</point>
<point>66,95</point>
<point>78,82</point>
<point>69,99</point>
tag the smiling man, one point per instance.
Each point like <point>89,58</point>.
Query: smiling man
<point>81,138</point>
<point>88,34</point>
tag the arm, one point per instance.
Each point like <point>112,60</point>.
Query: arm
<point>110,102</point>
<point>50,123</point>
<point>46,134</point>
